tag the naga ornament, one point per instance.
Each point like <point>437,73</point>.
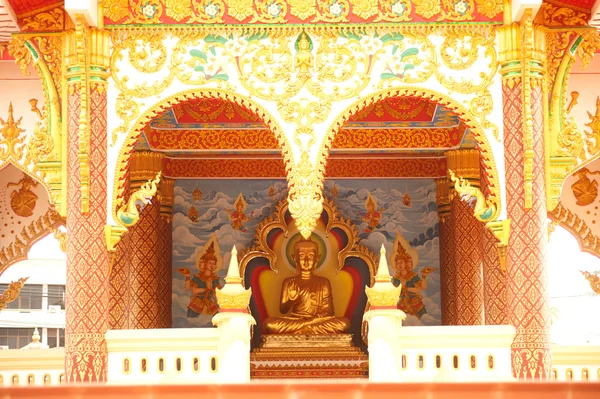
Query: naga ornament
<point>128,214</point>
<point>484,209</point>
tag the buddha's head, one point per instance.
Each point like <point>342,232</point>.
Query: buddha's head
<point>403,261</point>
<point>306,256</point>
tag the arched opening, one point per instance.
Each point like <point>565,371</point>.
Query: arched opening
<point>223,165</point>
<point>387,170</point>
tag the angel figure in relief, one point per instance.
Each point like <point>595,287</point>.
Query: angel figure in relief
<point>238,216</point>
<point>203,285</point>
<point>373,216</point>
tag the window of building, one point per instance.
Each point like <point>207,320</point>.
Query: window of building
<point>15,338</point>
<point>56,295</point>
<point>30,297</point>
<point>56,335</point>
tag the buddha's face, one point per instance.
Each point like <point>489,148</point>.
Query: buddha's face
<point>306,257</point>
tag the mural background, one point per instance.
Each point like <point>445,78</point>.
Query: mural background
<point>418,223</point>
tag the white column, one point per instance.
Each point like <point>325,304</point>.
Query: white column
<point>45,336</point>
<point>45,298</point>
<point>385,357</point>
<point>234,346</point>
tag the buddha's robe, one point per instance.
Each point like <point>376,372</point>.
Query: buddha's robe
<point>310,313</point>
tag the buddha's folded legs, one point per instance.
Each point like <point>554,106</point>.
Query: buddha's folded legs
<point>290,325</point>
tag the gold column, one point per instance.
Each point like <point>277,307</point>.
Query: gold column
<point>522,67</point>
<point>144,247</point>
<point>466,233</point>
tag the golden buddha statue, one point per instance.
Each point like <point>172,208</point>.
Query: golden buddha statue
<point>306,299</point>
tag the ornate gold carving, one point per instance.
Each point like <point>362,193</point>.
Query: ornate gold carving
<point>128,213</point>
<point>113,235</point>
<point>17,249</point>
<point>485,210</point>
<point>11,137</point>
<point>22,56</point>
<point>50,20</point>
<point>304,197</point>
<point>240,9</point>
<point>23,201</point>
<point>593,278</point>
<point>593,136</point>
<point>585,190</point>
<point>277,220</point>
<point>561,16</point>
<point>588,241</point>
<point>12,292</point>
<point>61,236</point>
<point>41,145</point>
<point>590,43</point>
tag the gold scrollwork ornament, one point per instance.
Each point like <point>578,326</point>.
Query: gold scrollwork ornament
<point>305,195</point>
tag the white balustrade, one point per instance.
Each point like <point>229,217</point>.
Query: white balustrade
<point>575,363</point>
<point>456,353</point>
<point>163,356</point>
<point>32,367</point>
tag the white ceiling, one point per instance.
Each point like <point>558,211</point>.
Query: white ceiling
<point>8,21</point>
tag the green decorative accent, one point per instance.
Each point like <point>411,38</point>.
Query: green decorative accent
<point>308,39</point>
<point>575,45</point>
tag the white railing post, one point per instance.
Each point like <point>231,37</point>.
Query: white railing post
<point>384,322</point>
<point>234,323</point>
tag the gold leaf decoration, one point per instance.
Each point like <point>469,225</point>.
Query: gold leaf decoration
<point>178,9</point>
<point>364,8</point>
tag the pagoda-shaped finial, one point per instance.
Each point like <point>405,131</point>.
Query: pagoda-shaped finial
<point>383,272</point>
<point>383,294</point>
<point>233,273</point>
<point>233,297</point>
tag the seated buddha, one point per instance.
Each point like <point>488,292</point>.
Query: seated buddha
<point>306,299</point>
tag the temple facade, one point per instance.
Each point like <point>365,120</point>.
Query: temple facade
<point>272,178</point>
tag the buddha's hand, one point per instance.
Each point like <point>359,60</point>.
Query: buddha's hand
<point>427,270</point>
<point>292,291</point>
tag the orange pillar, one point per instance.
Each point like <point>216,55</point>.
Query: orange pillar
<point>165,252</point>
<point>447,265</point>
<point>526,280</point>
<point>87,256</point>
<point>466,233</point>
<point>494,277</point>
<point>143,281</point>
<point>119,300</point>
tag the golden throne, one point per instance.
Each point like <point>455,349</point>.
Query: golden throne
<point>348,267</point>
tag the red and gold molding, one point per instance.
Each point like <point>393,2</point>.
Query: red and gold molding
<point>223,168</point>
<point>295,11</point>
<point>239,139</point>
<point>274,168</point>
<point>262,139</point>
<point>401,167</point>
<point>399,138</point>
